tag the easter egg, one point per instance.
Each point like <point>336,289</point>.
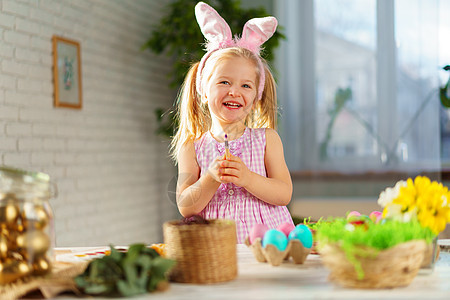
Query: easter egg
<point>286,228</point>
<point>303,234</point>
<point>361,220</point>
<point>357,222</point>
<point>276,238</point>
<point>375,216</point>
<point>353,214</point>
<point>257,231</point>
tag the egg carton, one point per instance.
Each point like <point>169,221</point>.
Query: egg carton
<point>275,257</point>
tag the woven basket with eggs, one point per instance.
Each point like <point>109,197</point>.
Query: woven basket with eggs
<point>364,254</point>
<point>386,269</point>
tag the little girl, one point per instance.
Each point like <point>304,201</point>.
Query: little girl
<point>230,94</point>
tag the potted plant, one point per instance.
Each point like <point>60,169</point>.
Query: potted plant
<point>389,251</point>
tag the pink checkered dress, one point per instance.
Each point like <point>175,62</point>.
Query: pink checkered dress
<point>233,202</point>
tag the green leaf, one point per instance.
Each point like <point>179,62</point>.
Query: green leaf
<point>445,100</point>
<point>126,289</point>
<point>134,250</point>
<point>98,289</point>
<point>129,270</point>
<point>151,252</point>
<point>153,283</point>
<point>161,265</point>
<point>115,254</point>
<point>145,262</point>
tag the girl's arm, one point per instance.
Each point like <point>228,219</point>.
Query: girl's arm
<point>274,189</point>
<point>194,192</point>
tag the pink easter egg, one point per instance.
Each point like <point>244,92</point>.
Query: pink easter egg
<point>375,216</point>
<point>286,228</point>
<point>353,214</point>
<point>257,231</point>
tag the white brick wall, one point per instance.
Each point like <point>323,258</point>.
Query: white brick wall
<point>111,171</point>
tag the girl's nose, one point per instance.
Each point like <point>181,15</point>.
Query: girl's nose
<point>233,92</point>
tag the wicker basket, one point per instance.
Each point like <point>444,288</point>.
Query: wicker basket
<point>204,253</point>
<point>391,268</point>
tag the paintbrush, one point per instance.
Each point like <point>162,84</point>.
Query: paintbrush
<point>227,148</point>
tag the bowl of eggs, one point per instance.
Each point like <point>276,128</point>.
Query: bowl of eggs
<point>278,244</point>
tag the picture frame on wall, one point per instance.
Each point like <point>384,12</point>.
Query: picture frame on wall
<point>67,73</point>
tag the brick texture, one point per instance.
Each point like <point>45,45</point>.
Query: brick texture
<point>111,171</point>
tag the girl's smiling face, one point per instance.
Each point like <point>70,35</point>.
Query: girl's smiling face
<point>231,90</point>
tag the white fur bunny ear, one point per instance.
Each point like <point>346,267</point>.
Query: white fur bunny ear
<point>256,32</point>
<point>214,28</point>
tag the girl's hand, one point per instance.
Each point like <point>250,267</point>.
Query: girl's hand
<point>234,171</point>
<point>214,169</point>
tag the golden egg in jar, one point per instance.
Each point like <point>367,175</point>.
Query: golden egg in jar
<point>41,265</point>
<point>3,247</point>
<point>9,215</point>
<point>12,240</point>
<point>34,242</point>
<point>34,216</point>
<point>4,231</point>
<point>11,270</point>
<point>23,267</point>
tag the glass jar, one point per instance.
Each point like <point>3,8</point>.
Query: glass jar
<point>430,257</point>
<point>26,223</point>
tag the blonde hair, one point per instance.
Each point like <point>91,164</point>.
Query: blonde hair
<point>193,115</point>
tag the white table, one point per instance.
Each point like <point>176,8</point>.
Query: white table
<point>306,281</point>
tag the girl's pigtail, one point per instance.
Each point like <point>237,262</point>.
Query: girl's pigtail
<point>192,116</point>
<point>265,111</point>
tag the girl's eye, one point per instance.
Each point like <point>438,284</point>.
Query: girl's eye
<point>247,86</point>
<point>224,82</point>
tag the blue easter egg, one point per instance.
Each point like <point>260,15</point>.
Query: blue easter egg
<point>276,238</point>
<point>303,234</point>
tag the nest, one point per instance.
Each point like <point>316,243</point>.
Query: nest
<point>205,253</point>
<point>275,257</point>
<point>394,267</point>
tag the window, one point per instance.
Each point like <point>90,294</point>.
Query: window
<point>358,84</point>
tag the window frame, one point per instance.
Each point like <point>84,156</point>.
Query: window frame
<point>298,82</point>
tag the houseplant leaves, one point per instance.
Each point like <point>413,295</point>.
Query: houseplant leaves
<point>138,271</point>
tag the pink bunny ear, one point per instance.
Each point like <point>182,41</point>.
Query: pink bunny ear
<point>256,32</point>
<point>213,26</point>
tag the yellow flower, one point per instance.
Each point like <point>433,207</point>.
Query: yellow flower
<point>421,199</point>
<point>407,196</point>
<point>434,211</point>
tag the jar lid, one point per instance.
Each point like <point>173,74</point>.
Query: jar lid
<point>25,176</point>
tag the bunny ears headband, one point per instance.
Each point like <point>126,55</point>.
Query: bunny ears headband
<point>218,35</point>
